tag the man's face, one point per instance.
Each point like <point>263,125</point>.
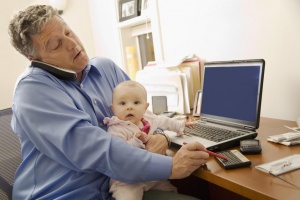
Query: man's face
<point>59,46</point>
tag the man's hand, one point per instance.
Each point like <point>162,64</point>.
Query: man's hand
<point>157,144</point>
<point>187,159</point>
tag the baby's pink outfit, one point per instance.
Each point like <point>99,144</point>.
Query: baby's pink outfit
<point>125,130</point>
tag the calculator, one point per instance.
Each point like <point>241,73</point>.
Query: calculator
<point>235,159</point>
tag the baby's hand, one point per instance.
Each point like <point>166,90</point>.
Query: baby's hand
<point>189,124</point>
<point>142,136</point>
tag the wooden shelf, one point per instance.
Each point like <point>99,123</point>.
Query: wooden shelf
<point>139,20</point>
<point>130,29</point>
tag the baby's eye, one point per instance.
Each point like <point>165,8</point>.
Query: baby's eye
<point>122,103</point>
<point>136,102</point>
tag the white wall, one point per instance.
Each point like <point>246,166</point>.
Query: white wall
<point>12,63</point>
<point>241,29</point>
<point>213,29</point>
<point>77,16</point>
<point>105,29</point>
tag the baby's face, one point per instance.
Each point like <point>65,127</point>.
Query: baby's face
<point>130,105</point>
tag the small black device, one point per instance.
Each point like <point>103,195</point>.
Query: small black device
<point>55,71</point>
<point>251,146</point>
<point>169,114</point>
<point>234,159</point>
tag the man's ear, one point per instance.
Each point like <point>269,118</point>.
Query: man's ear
<point>30,57</point>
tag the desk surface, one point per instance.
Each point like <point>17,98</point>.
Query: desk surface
<point>250,182</point>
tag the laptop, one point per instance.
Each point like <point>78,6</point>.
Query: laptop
<point>230,101</point>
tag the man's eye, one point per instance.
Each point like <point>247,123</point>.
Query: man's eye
<point>56,46</point>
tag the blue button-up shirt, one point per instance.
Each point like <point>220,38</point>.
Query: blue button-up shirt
<point>67,153</point>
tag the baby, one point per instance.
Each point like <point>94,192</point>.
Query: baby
<point>133,123</point>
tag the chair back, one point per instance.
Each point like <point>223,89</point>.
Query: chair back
<point>10,154</point>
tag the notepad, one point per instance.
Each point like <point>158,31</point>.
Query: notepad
<point>281,166</point>
<point>288,139</point>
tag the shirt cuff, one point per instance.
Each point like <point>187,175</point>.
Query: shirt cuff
<point>160,167</point>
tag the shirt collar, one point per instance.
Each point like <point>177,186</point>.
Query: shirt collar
<point>89,68</point>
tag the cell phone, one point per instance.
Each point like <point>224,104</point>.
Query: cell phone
<point>251,146</point>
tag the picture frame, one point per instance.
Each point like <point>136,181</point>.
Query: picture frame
<point>145,5</point>
<point>128,9</point>
<point>197,104</point>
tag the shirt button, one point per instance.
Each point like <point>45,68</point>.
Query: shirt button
<point>100,124</point>
<point>95,102</point>
<point>81,85</point>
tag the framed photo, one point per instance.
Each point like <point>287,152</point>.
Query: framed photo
<point>128,9</point>
<point>145,4</point>
<point>197,104</point>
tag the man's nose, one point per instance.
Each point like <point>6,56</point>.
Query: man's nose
<point>71,44</point>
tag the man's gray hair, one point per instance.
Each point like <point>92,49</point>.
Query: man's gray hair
<point>26,23</point>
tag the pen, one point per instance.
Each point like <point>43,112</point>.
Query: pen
<point>213,153</point>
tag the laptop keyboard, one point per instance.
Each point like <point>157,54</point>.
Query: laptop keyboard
<point>212,133</point>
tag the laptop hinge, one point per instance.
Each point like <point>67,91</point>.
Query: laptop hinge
<point>249,128</point>
<point>204,119</point>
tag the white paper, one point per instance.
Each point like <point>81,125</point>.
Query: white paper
<point>159,83</point>
<point>297,129</point>
<point>285,137</point>
<point>288,139</point>
<point>292,163</point>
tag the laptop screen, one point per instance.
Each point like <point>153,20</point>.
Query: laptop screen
<point>232,91</point>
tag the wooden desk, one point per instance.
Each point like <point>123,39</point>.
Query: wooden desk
<point>250,182</point>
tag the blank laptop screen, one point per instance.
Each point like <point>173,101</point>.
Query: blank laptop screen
<point>232,92</point>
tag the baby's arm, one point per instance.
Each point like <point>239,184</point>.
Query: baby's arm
<point>126,136</point>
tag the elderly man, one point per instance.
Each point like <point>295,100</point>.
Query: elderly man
<point>58,108</point>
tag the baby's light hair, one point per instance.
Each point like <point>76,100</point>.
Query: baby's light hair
<point>129,84</point>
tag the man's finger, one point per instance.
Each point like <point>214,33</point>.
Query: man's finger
<point>194,146</point>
